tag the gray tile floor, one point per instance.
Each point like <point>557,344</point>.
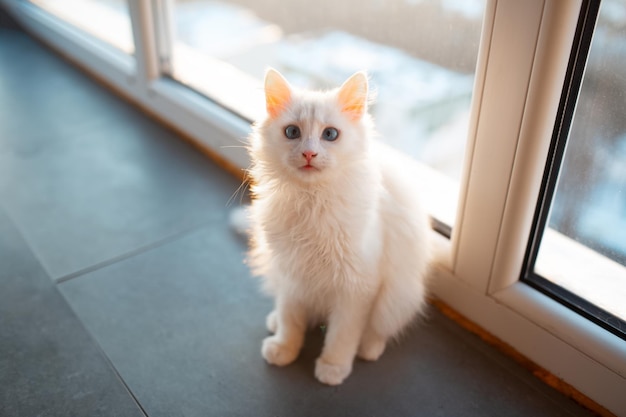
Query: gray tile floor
<point>123,292</point>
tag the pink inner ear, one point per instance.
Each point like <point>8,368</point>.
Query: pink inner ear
<point>277,93</point>
<point>353,96</point>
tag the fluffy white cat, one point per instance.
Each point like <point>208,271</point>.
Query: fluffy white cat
<point>337,234</point>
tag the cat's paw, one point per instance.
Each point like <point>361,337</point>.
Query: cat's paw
<point>330,373</point>
<point>272,322</point>
<point>276,353</point>
<point>371,349</point>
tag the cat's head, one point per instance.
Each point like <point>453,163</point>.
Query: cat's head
<point>312,136</point>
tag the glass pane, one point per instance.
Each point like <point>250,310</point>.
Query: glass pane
<point>420,55</point>
<point>584,249</point>
<point>107,20</point>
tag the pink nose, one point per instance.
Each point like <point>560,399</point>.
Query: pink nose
<point>309,155</point>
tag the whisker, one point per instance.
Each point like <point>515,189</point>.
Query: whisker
<point>241,190</point>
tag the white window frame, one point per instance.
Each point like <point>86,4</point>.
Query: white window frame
<point>521,68</point>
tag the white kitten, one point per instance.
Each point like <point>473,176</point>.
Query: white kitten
<point>337,234</point>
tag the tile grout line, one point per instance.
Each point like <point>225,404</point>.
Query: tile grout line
<point>106,357</point>
<point>81,323</point>
<point>26,240</point>
<point>117,374</point>
<point>132,253</point>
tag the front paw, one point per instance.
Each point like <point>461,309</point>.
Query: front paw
<point>277,353</point>
<point>331,374</point>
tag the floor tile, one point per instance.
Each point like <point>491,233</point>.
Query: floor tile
<point>90,189</point>
<point>42,95</point>
<point>49,364</point>
<point>183,324</point>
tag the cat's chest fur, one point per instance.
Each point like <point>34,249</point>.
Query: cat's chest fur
<point>326,238</point>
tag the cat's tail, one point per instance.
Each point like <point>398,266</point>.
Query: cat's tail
<point>239,220</point>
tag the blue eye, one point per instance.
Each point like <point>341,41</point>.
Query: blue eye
<point>292,132</point>
<point>330,134</point>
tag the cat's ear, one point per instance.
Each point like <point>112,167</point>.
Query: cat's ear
<point>353,96</point>
<point>277,93</point>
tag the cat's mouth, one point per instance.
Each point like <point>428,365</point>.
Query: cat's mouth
<point>309,167</point>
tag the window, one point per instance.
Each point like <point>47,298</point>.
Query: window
<point>421,57</point>
<point>582,255</point>
<point>502,64</point>
<point>107,20</point>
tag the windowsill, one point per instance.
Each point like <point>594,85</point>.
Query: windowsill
<point>93,17</point>
<point>236,90</point>
<point>104,60</point>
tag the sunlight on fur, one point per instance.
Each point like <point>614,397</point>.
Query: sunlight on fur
<point>337,236</point>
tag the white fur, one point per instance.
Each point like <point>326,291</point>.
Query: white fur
<point>345,244</point>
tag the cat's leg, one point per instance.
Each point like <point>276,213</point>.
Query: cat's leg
<point>374,338</point>
<point>372,344</point>
<point>399,301</point>
<point>283,347</point>
<point>345,326</point>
